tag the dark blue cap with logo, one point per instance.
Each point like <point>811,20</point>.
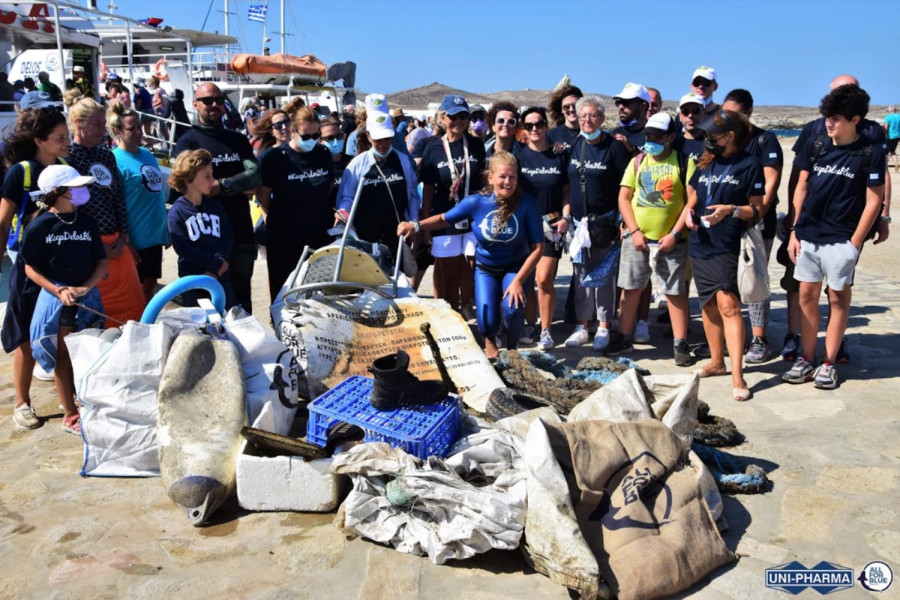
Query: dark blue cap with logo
<point>454,104</point>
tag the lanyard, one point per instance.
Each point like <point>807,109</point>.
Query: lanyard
<point>582,172</point>
<point>710,196</point>
<point>390,193</point>
<point>454,173</point>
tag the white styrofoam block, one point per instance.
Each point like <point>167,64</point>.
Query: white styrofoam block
<point>285,482</point>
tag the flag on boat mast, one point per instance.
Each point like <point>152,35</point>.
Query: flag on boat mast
<point>257,12</point>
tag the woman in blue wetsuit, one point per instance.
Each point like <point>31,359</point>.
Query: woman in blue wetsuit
<point>509,243</point>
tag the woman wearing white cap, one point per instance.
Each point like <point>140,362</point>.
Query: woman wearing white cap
<point>64,254</point>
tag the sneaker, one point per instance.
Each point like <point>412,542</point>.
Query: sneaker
<point>546,341</point>
<point>25,418</point>
<point>618,344</point>
<point>758,352</point>
<point>578,337</point>
<point>683,356</point>
<point>825,377</point>
<point>528,334</point>
<point>642,332</point>
<point>843,357</point>
<point>802,371</point>
<point>601,339</point>
<point>702,350</point>
<point>40,373</point>
<point>791,347</point>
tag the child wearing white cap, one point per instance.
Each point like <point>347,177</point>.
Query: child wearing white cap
<point>64,255</point>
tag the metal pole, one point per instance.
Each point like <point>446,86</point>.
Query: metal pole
<point>397,264</point>
<point>130,52</point>
<point>340,257</point>
<point>59,47</point>
<point>282,26</point>
<point>265,23</point>
<point>226,19</point>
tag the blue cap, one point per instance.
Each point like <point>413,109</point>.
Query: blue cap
<point>453,104</point>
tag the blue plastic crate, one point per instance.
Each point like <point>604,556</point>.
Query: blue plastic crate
<point>422,431</point>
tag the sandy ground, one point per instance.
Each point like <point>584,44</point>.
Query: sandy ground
<point>833,459</point>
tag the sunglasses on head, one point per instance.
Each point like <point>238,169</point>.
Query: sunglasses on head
<point>332,138</point>
<point>535,125</point>
<point>507,122</point>
<point>459,116</point>
<point>690,111</point>
<point>210,100</point>
<point>308,136</point>
<point>701,82</point>
<point>281,125</point>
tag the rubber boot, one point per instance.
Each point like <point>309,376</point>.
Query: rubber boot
<point>395,386</point>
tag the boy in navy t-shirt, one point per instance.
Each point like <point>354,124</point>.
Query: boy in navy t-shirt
<point>837,199</point>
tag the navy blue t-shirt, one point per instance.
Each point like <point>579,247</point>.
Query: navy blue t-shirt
<point>563,134</point>
<point>732,180</point>
<point>764,146</point>
<point>435,170</point>
<point>339,167</point>
<point>693,148</point>
<point>543,175</point>
<point>836,192</point>
<point>814,129</point>
<point>63,247</point>
<point>201,235</point>
<point>505,247</point>
<point>604,164</point>
<point>635,138</point>
<point>377,214</point>
<point>301,208</point>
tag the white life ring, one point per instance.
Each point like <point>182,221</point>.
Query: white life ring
<point>160,70</point>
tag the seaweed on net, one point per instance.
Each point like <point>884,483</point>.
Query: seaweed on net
<point>713,430</point>
<point>561,393</point>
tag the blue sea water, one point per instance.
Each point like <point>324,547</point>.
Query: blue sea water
<point>785,133</point>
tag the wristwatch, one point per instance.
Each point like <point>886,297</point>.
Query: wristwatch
<point>735,211</point>
<point>885,218</point>
<point>225,184</point>
<point>416,226</point>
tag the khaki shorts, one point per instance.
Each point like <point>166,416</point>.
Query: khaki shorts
<point>636,268</point>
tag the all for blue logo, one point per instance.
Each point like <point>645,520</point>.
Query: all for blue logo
<point>824,578</point>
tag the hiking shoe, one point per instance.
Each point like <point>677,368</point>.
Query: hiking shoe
<point>702,351</point>
<point>578,337</point>
<point>683,356</point>
<point>758,352</point>
<point>528,334</point>
<point>791,347</point>
<point>843,357</point>
<point>642,332</point>
<point>618,344</point>
<point>802,371</point>
<point>24,417</point>
<point>601,339</point>
<point>546,341</point>
<point>825,377</point>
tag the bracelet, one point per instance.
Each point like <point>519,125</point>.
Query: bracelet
<point>636,229</point>
<point>416,226</point>
<point>674,233</point>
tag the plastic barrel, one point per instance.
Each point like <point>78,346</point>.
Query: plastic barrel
<point>184,284</point>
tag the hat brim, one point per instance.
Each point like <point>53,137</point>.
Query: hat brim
<point>380,133</point>
<point>40,105</point>
<point>654,131</point>
<point>455,110</point>
<point>710,126</point>
<point>80,181</point>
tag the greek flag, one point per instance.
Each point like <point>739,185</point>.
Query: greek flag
<point>257,12</point>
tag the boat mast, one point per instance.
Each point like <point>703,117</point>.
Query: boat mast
<point>282,27</point>
<point>265,23</point>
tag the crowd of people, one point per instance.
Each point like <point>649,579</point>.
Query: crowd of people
<point>491,198</point>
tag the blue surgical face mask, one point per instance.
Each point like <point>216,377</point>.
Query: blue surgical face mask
<point>335,146</point>
<point>379,154</point>
<point>307,145</point>
<point>591,136</point>
<point>80,196</point>
<point>653,148</point>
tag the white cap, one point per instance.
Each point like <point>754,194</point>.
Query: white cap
<point>379,125</point>
<point>705,72</point>
<point>632,91</point>
<point>691,98</point>
<point>55,176</point>
<point>661,122</point>
<point>376,103</point>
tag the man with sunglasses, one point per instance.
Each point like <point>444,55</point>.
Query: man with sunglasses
<point>633,103</point>
<point>704,84</point>
<point>691,113</point>
<point>237,177</point>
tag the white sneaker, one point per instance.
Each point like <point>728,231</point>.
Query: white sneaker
<point>578,337</point>
<point>41,374</point>
<point>642,332</point>
<point>546,341</point>
<point>24,418</point>
<point>601,339</point>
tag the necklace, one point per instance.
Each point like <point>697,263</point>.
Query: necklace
<point>61,220</point>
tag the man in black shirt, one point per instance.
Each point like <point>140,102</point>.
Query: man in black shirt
<point>633,103</point>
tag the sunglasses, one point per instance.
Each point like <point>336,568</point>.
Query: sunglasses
<point>507,122</point>
<point>568,108</point>
<point>690,111</point>
<point>308,136</point>
<point>536,125</point>
<point>332,138</point>
<point>210,100</point>
<point>281,125</point>
<point>463,116</point>
<point>701,82</point>
<point>621,102</point>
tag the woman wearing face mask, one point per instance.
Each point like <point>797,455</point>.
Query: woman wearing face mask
<point>596,164</point>
<point>64,255</point>
<point>451,170</point>
<point>333,140</point>
<point>121,291</point>
<point>543,175</point>
<point>296,197</point>
<point>389,193</point>
<point>724,197</point>
<point>564,118</point>
<point>504,120</point>
<point>273,129</point>
<point>507,227</point>
<point>652,200</point>
<point>40,138</point>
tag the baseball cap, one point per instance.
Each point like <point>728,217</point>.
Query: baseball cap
<point>710,126</point>
<point>632,91</point>
<point>691,98</point>
<point>704,72</point>
<point>661,122</point>
<point>55,176</point>
<point>379,126</point>
<point>453,104</point>
<point>113,77</point>
<point>78,69</point>
<point>477,108</point>
<point>376,103</point>
<point>36,99</point>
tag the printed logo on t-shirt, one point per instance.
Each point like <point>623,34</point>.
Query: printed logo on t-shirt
<point>458,162</point>
<point>541,171</point>
<point>594,165</point>
<point>69,236</point>
<point>307,175</point>
<point>392,178</point>
<point>222,158</point>
<point>101,174</point>
<point>834,170</point>
<point>204,224</point>
<point>658,193</point>
<point>493,231</point>
<point>151,178</point>
<point>729,178</point>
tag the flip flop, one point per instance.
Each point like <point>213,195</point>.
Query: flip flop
<point>741,394</point>
<point>72,425</point>
<point>710,371</point>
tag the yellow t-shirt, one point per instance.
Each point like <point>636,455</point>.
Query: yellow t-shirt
<point>659,196</point>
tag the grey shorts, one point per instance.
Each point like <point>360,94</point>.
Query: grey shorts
<point>636,268</point>
<point>833,262</point>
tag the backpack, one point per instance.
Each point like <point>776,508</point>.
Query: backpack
<point>29,187</point>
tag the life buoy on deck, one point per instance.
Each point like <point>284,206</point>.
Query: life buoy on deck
<point>160,70</point>
<point>104,72</point>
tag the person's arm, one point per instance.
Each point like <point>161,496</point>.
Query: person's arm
<point>773,179</point>
<point>563,224</point>
<point>8,210</point>
<point>800,193</point>
<point>515,290</point>
<point>870,213</point>
<point>884,228</point>
<point>637,236</point>
<point>264,197</point>
<point>407,228</point>
<point>686,214</point>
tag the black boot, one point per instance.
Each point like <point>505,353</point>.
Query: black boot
<point>395,386</point>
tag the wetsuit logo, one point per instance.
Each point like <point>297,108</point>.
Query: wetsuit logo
<point>493,231</point>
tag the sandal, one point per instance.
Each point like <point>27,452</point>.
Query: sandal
<point>72,424</point>
<point>710,371</point>
<point>741,394</point>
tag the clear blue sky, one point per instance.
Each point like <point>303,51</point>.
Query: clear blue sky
<point>783,51</point>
